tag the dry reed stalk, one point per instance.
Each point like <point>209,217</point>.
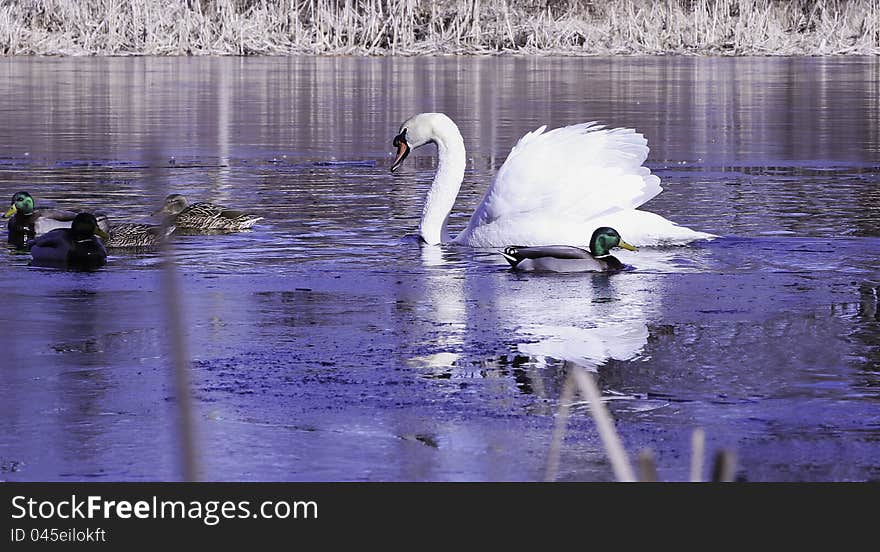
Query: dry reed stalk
<point>698,448</point>
<point>180,366</point>
<point>610,439</point>
<point>178,349</point>
<point>578,379</point>
<point>724,466</point>
<point>647,467</point>
<point>414,27</point>
<point>559,429</point>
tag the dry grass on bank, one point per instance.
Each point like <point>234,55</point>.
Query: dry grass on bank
<point>412,27</point>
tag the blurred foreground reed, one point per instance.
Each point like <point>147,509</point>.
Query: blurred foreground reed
<point>580,381</point>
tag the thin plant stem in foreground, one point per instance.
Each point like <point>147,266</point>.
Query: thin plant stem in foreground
<point>177,342</point>
<point>698,451</point>
<point>610,439</point>
<point>559,429</point>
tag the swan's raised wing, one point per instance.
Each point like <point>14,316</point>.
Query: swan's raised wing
<point>574,173</point>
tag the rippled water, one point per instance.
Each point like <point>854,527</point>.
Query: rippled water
<point>328,345</point>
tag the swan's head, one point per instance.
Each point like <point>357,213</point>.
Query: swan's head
<point>22,202</point>
<point>605,239</point>
<point>418,130</point>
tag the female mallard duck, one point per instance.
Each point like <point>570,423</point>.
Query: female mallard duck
<point>27,223</point>
<point>564,258</point>
<point>129,235</point>
<point>205,216</point>
<point>76,246</point>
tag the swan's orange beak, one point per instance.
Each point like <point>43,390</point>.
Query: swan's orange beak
<point>402,150</point>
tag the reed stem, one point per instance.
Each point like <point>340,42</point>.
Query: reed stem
<point>452,27</point>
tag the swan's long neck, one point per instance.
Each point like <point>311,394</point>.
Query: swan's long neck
<point>444,190</point>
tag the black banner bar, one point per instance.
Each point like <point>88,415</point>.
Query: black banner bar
<point>127,514</point>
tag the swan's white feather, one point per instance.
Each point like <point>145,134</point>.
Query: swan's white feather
<point>555,188</point>
<point>558,186</point>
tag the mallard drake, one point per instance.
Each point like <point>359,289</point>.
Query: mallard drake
<point>564,258</point>
<point>76,246</point>
<point>205,216</point>
<point>27,222</point>
<point>133,235</point>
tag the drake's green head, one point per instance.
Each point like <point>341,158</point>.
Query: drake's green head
<point>605,239</point>
<point>85,225</point>
<point>22,202</point>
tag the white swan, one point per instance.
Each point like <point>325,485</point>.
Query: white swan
<point>554,188</point>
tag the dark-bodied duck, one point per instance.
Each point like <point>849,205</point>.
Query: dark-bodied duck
<point>565,258</point>
<point>205,216</point>
<point>26,222</point>
<point>74,247</point>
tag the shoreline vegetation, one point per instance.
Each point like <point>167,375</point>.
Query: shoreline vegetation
<point>450,27</point>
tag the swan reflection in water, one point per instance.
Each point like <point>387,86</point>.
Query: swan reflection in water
<point>444,288</point>
<point>543,320</point>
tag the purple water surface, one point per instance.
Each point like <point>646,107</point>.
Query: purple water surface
<point>328,345</point>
